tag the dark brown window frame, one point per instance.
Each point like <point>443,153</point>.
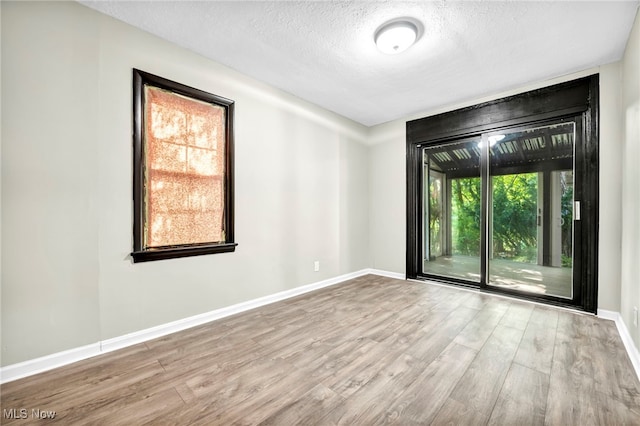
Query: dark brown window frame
<point>140,253</point>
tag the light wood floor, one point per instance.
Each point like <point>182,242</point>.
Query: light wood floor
<point>370,351</point>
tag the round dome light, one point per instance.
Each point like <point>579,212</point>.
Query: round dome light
<point>395,36</point>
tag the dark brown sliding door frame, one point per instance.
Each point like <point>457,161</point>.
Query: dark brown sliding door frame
<point>577,101</point>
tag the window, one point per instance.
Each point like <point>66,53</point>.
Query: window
<point>183,170</point>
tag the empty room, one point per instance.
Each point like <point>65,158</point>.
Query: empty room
<point>320,212</point>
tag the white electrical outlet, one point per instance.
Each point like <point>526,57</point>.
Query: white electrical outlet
<point>316,265</point>
<point>635,316</point>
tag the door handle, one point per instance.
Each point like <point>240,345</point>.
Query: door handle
<point>576,210</point>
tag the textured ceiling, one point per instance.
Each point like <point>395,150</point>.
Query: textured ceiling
<point>323,51</point>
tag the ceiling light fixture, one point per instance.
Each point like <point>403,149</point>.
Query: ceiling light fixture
<point>396,36</point>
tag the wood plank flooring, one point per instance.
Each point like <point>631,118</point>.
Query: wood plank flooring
<point>370,351</point>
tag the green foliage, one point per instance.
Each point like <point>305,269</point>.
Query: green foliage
<point>514,216</point>
<point>435,216</point>
<point>567,218</point>
<point>465,216</point>
<point>515,205</point>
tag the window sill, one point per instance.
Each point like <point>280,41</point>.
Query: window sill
<point>184,251</point>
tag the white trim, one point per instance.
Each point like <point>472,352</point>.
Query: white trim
<point>396,275</point>
<point>48,362</point>
<point>631,348</point>
<point>59,359</point>
<point>608,315</point>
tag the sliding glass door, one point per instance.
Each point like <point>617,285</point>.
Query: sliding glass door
<point>503,195</point>
<point>498,210</point>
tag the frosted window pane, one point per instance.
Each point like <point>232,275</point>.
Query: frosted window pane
<point>184,178</point>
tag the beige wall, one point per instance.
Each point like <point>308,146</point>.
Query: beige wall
<point>387,199</point>
<point>630,260</point>
<point>609,230</point>
<point>387,171</point>
<point>50,226</point>
<point>67,279</point>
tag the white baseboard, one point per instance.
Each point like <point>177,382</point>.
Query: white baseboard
<point>59,359</point>
<point>48,362</point>
<point>387,274</point>
<point>631,348</point>
<point>608,315</point>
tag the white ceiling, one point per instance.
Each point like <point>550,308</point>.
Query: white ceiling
<point>323,51</point>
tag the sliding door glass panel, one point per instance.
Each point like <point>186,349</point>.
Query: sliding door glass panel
<point>530,235</point>
<point>452,200</point>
